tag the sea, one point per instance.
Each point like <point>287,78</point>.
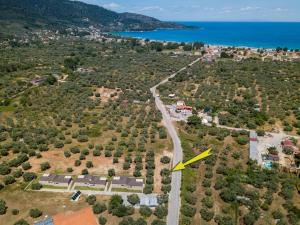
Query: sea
<point>239,34</point>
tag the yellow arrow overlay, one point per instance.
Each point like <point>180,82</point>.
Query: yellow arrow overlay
<point>181,165</point>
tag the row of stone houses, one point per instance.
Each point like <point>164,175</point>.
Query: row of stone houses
<point>92,181</point>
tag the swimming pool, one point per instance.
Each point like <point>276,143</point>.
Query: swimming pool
<point>268,165</point>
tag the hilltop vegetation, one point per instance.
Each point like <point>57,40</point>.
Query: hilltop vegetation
<point>25,15</point>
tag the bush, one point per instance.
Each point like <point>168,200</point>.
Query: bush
<point>35,213</point>
<point>17,173</point>
<point>165,160</point>
<point>160,212</point>
<point>3,207</point>
<point>26,166</point>
<point>91,199</point>
<point>99,208</point>
<point>21,222</point>
<point>45,166</point>
<point>158,222</point>
<point>36,186</point>
<point>111,172</point>
<point>9,180</point>
<point>89,164</point>
<point>206,214</point>
<point>67,154</point>
<point>4,169</point>
<point>77,163</point>
<point>133,199</point>
<point>188,210</point>
<point>145,211</point>
<point>15,211</point>
<point>102,220</point>
<point>140,221</point>
<point>69,169</point>
<point>29,176</point>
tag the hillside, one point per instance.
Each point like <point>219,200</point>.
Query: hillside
<point>32,14</point>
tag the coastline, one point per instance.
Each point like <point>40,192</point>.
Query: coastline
<point>254,35</point>
<point>178,42</point>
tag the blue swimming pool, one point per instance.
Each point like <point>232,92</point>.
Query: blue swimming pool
<point>268,165</point>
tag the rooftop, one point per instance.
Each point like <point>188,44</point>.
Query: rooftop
<point>56,178</point>
<point>91,179</point>
<point>129,181</point>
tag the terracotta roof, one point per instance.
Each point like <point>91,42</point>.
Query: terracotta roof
<point>81,217</point>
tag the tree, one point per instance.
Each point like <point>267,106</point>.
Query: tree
<point>194,120</point>
<point>21,222</point>
<point>188,210</point>
<point>158,222</point>
<point>102,220</point>
<point>140,221</point>
<point>9,180</point>
<point>36,186</point>
<point>165,160</point>
<point>26,166</point>
<point>45,166</point>
<point>99,208</point>
<point>35,213</point>
<point>145,211</point>
<point>160,212</point>
<point>29,176</point>
<point>111,172</point>
<point>4,169</point>
<point>91,199</point>
<point>3,207</point>
<point>133,199</point>
<point>206,214</point>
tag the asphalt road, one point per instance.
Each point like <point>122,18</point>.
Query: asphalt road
<point>174,195</point>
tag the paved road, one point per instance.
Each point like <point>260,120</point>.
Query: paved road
<point>174,196</point>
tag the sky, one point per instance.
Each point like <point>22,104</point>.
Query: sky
<point>208,10</point>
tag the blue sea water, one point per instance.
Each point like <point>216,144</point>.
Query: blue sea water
<point>250,34</point>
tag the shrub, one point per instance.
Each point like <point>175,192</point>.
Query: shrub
<point>89,164</point>
<point>111,172</point>
<point>4,169</point>
<point>3,207</point>
<point>158,222</point>
<point>36,186</point>
<point>21,222</point>
<point>91,199</point>
<point>206,214</point>
<point>99,208</point>
<point>188,210</point>
<point>160,212</point>
<point>77,163</point>
<point>35,213</point>
<point>29,176</point>
<point>102,220</point>
<point>15,211</point>
<point>67,154</point>
<point>45,166</point>
<point>26,166</point>
<point>145,211</point>
<point>9,180</point>
<point>165,160</point>
<point>133,199</point>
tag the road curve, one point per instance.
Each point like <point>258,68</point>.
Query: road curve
<point>174,195</point>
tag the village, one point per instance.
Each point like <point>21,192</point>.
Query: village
<point>269,150</point>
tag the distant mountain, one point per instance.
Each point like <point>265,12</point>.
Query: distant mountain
<point>31,14</point>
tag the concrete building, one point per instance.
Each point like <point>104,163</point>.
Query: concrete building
<point>56,180</point>
<point>128,182</point>
<point>90,181</point>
